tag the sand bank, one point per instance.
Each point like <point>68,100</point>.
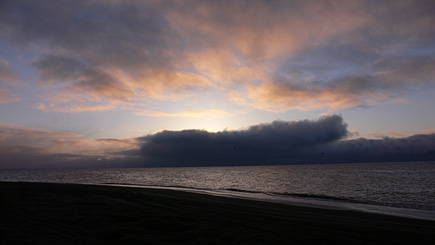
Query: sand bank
<point>39,213</point>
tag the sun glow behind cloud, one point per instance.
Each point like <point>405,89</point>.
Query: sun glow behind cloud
<point>278,142</point>
<point>111,66</point>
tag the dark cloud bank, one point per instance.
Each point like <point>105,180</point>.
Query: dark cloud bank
<point>271,143</point>
<point>279,142</point>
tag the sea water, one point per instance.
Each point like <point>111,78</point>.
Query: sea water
<point>406,189</point>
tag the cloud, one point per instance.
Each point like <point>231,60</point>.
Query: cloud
<point>283,94</point>
<point>274,56</point>
<point>22,147</point>
<point>98,83</point>
<point>10,132</point>
<point>259,144</point>
<point>81,85</point>
<point>55,67</point>
<point>387,134</point>
<point>77,107</point>
<point>409,71</point>
<point>98,51</point>
<point>392,79</point>
<point>280,142</point>
<point>8,74</point>
<point>419,147</point>
<point>394,134</point>
<point>6,96</point>
<point>8,79</point>
<point>264,29</point>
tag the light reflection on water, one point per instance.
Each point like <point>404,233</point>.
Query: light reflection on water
<point>408,185</point>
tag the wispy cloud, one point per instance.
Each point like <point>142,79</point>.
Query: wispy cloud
<point>23,147</point>
<point>76,107</point>
<point>6,96</point>
<point>8,75</point>
<point>16,132</point>
<point>273,56</point>
<point>395,134</point>
<point>8,79</point>
<point>387,134</point>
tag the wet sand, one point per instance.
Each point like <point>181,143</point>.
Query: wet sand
<point>37,213</point>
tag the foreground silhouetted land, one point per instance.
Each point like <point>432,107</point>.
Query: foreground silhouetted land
<point>38,213</point>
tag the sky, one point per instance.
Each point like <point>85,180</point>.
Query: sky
<point>199,83</point>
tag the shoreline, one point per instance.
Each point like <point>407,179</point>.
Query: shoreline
<point>301,201</point>
<point>70,213</point>
<point>286,200</point>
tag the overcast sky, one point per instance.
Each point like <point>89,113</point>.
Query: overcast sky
<point>97,83</point>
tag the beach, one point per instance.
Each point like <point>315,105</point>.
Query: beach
<point>48,213</point>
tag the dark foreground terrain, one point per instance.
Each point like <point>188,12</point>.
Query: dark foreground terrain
<point>36,213</point>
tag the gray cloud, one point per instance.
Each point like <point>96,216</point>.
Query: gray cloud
<point>8,79</point>
<point>100,31</point>
<point>8,74</point>
<point>276,142</point>
<point>152,48</point>
<point>420,147</point>
<point>78,77</point>
<point>280,142</point>
<point>318,87</point>
<point>76,43</point>
<point>55,67</point>
<point>99,83</point>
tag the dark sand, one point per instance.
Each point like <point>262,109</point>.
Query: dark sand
<point>75,214</point>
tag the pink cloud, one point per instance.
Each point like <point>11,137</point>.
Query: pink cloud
<point>22,139</point>
<point>75,108</point>
<point>264,29</point>
<point>280,97</point>
<point>180,50</point>
<point>6,96</point>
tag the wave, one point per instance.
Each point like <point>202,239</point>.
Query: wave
<point>272,194</point>
<point>284,194</point>
<point>334,198</point>
<point>294,195</point>
<point>159,186</point>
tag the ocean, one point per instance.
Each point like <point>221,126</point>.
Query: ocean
<point>404,189</point>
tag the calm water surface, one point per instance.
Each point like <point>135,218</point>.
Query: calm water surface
<point>402,185</point>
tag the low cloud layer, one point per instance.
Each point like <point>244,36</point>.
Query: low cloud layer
<point>280,142</point>
<point>22,147</point>
<point>260,144</point>
<point>419,147</point>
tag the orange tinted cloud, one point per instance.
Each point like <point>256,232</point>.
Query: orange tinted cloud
<point>73,108</point>
<point>117,55</point>
<point>170,85</point>
<point>20,139</point>
<point>10,132</point>
<point>278,96</point>
<point>265,29</point>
